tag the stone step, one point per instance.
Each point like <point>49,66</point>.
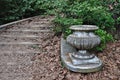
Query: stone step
<point>20,36</point>
<point>15,33</point>
<point>26,30</point>
<point>41,22</point>
<point>31,27</point>
<point>19,43</point>
<point>16,76</point>
<point>43,19</point>
<point>41,26</point>
<point>21,33</point>
<point>15,36</point>
<point>8,49</point>
<point>20,39</point>
<point>18,52</point>
<point>9,58</point>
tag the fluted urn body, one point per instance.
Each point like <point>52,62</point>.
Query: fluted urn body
<point>83,39</point>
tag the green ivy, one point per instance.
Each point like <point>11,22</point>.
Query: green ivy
<point>105,37</point>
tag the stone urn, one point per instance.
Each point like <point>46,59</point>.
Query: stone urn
<point>81,41</point>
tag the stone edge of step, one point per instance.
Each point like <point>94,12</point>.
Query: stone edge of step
<point>18,43</point>
<point>4,26</point>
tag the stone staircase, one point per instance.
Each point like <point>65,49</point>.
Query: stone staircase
<point>19,44</point>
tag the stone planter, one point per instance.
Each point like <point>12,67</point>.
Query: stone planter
<point>82,39</point>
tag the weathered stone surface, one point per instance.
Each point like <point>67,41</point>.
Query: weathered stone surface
<point>83,66</point>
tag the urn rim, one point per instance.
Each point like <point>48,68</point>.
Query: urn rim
<point>83,27</point>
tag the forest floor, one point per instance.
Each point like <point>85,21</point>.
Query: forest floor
<point>31,51</point>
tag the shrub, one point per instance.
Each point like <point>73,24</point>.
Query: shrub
<point>105,37</point>
<point>18,9</point>
<point>50,6</point>
<point>86,12</point>
<point>62,25</point>
<point>15,9</point>
<point>90,13</point>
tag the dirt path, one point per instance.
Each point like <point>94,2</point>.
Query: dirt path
<point>30,51</point>
<point>19,44</point>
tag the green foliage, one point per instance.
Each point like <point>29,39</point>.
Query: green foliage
<point>105,37</point>
<point>67,21</point>
<point>16,9</point>
<point>88,12</point>
<point>91,12</point>
<point>116,12</point>
<point>118,21</point>
<point>50,6</point>
<point>113,7</point>
<point>62,25</point>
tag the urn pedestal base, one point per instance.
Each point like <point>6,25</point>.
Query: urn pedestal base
<point>78,65</point>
